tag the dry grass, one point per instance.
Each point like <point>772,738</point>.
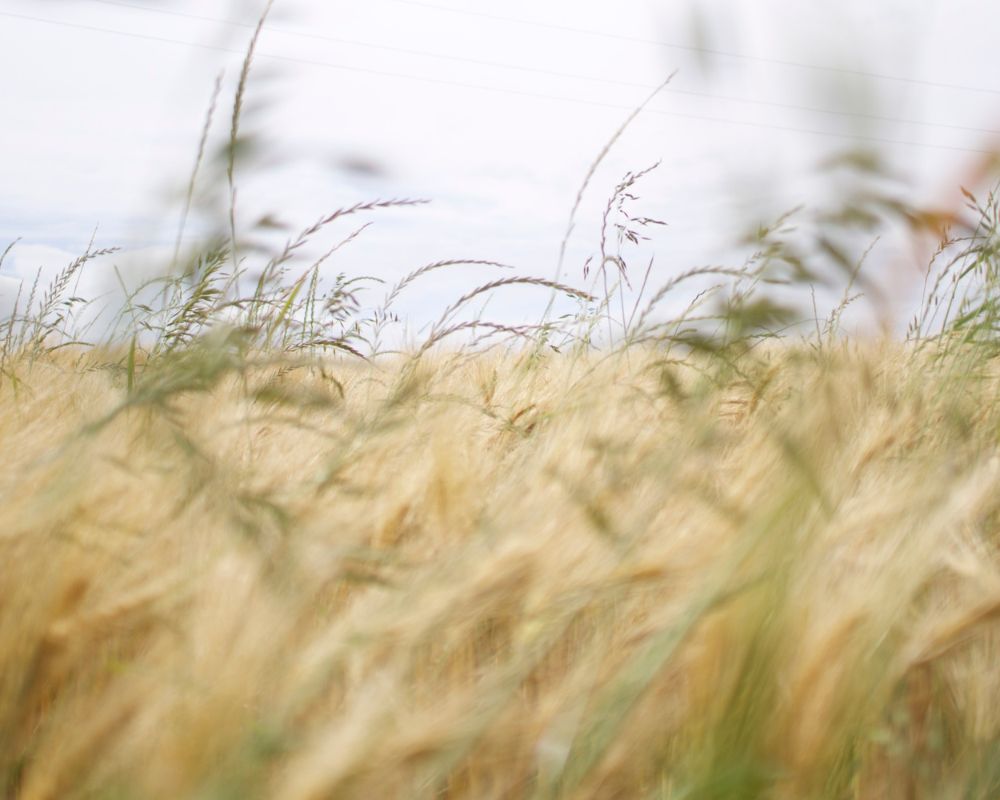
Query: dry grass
<point>250,552</point>
<point>502,576</point>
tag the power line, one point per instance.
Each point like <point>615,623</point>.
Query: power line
<point>695,48</point>
<point>495,89</point>
<point>554,73</point>
<point>372,45</point>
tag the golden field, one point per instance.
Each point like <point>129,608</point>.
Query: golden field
<point>668,543</point>
<point>502,574</point>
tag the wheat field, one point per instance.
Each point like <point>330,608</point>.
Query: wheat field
<point>507,573</point>
<point>249,550</point>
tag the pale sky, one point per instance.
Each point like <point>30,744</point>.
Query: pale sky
<point>493,111</point>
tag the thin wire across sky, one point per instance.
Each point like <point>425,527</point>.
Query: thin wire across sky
<point>571,75</point>
<point>467,85</point>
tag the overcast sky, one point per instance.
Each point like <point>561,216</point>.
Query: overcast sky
<point>493,111</point>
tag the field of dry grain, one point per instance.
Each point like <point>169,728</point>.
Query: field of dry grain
<point>502,574</point>
<point>689,536</point>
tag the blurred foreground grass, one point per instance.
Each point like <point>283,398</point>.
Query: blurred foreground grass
<point>513,574</point>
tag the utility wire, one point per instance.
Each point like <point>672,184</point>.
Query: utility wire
<point>495,89</point>
<point>554,73</point>
<point>695,48</point>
